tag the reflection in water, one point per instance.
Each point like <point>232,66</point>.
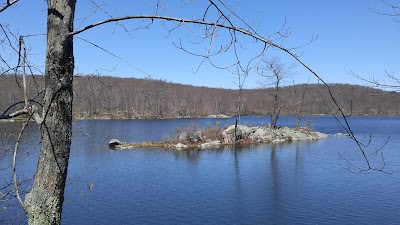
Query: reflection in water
<point>276,195</point>
<point>295,183</point>
<point>192,155</point>
<point>237,150</point>
<point>297,154</point>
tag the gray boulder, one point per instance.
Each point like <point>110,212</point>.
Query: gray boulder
<point>210,144</point>
<point>191,137</point>
<point>196,137</point>
<point>182,136</point>
<point>180,146</point>
<point>242,132</point>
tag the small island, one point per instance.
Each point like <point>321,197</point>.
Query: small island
<point>215,138</point>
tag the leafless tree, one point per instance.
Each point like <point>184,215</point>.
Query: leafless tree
<point>299,96</point>
<point>241,78</point>
<point>275,72</point>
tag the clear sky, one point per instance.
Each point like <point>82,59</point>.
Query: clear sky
<point>350,38</point>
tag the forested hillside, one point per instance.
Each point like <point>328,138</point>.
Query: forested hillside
<point>111,97</point>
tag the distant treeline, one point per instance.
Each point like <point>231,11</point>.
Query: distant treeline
<point>112,97</point>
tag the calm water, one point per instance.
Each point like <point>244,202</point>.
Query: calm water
<point>295,183</point>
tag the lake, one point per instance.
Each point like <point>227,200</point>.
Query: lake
<point>291,183</point>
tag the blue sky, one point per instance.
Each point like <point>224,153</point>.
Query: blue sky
<point>350,37</point>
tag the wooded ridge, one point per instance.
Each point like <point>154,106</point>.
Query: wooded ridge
<point>103,97</point>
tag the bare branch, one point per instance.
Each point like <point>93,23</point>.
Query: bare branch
<point>14,114</point>
<point>16,184</point>
<point>114,55</point>
<point>228,27</point>
<point>109,15</point>
<point>8,4</point>
<point>20,102</point>
<point>395,10</point>
<point>392,10</point>
<point>371,81</point>
<point>22,43</point>
<point>31,111</point>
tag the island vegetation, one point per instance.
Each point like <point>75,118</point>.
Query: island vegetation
<point>215,137</point>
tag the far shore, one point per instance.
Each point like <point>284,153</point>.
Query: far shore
<point>203,117</point>
<point>22,119</point>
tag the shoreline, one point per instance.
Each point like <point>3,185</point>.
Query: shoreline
<point>227,117</point>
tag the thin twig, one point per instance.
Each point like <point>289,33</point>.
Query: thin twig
<point>15,161</point>
<point>22,43</point>
<point>114,55</point>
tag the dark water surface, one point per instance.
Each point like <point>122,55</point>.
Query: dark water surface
<point>294,183</point>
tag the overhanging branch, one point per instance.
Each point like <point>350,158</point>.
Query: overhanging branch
<point>201,22</point>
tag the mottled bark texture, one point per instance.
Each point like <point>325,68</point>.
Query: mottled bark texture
<point>44,203</point>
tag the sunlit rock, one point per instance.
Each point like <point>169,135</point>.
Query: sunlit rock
<point>210,144</point>
<point>180,146</point>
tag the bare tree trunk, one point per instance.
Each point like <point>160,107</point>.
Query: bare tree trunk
<point>44,203</point>
<point>237,117</point>
<point>275,108</point>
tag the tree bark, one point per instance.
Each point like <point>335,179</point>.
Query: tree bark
<point>44,203</point>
